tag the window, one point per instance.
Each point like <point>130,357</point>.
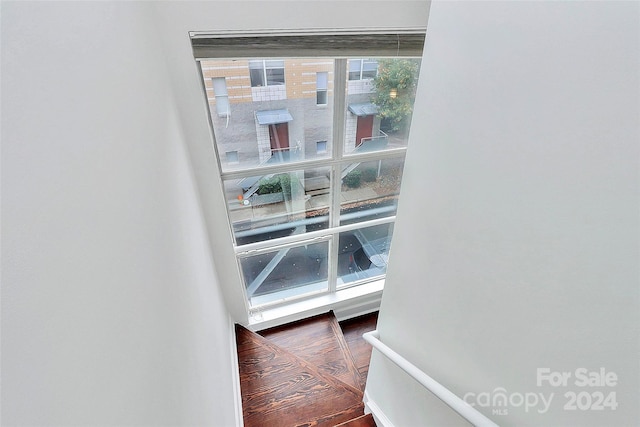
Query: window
<point>232,156</point>
<point>222,97</point>
<point>321,88</point>
<point>362,69</point>
<point>321,147</point>
<point>266,73</point>
<point>314,216</point>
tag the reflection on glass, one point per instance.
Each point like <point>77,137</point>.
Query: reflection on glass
<point>276,205</point>
<point>370,190</point>
<point>285,273</point>
<point>380,97</point>
<point>270,111</point>
<point>363,253</point>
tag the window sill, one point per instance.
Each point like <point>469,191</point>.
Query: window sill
<point>345,303</point>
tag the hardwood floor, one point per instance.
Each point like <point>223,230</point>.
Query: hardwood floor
<point>360,349</point>
<point>308,373</point>
<point>363,421</point>
<point>280,389</point>
<point>319,340</point>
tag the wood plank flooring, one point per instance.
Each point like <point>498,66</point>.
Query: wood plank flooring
<point>279,389</point>
<point>360,349</point>
<point>319,340</point>
<point>308,373</point>
<point>363,421</point>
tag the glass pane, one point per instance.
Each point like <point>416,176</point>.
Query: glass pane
<point>322,81</point>
<point>370,190</point>
<point>369,68</point>
<point>275,76</point>
<point>220,92</point>
<point>355,66</point>
<point>322,97</point>
<point>232,156</point>
<point>222,106</point>
<point>274,63</point>
<point>285,273</point>
<point>380,105</point>
<point>363,253</point>
<point>286,101</point>
<point>220,86</point>
<point>321,146</point>
<point>277,205</point>
<point>257,77</point>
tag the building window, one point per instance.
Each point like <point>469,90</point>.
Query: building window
<point>321,88</point>
<point>311,218</point>
<point>321,147</point>
<point>266,72</point>
<point>362,69</point>
<point>232,156</point>
<point>222,97</point>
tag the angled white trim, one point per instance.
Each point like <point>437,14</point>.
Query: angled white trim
<point>371,407</point>
<point>237,392</point>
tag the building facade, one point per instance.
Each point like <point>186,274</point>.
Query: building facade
<point>274,109</point>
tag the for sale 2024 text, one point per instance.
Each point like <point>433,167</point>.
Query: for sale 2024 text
<point>590,397</point>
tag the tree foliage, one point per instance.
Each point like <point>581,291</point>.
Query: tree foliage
<point>399,76</point>
<point>275,184</point>
<point>353,178</point>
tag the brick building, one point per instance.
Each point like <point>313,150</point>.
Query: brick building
<point>269,110</point>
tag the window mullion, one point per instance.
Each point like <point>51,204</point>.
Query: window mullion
<point>310,235</point>
<point>309,164</point>
<point>339,108</point>
<point>334,221</point>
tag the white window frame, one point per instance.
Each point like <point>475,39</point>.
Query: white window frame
<point>358,44</point>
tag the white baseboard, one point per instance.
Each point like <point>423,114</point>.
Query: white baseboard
<point>346,303</point>
<point>237,392</point>
<point>370,407</point>
<point>357,310</point>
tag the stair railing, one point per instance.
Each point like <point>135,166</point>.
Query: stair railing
<point>381,137</point>
<point>465,410</point>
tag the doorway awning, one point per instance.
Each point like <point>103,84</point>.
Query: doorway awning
<point>364,109</point>
<point>271,117</point>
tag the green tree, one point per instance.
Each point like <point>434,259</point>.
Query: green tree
<point>396,91</point>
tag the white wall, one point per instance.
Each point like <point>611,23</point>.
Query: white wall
<point>111,310</point>
<point>516,246</point>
